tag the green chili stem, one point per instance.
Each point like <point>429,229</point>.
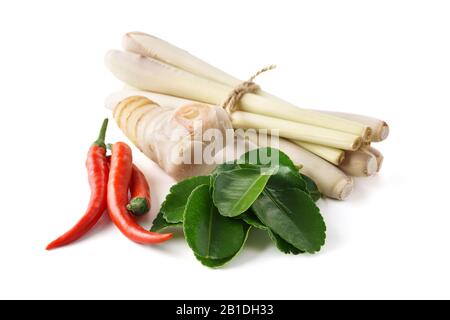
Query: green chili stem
<point>101,137</point>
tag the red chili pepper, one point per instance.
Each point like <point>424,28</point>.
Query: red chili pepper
<point>140,193</point>
<point>119,180</point>
<point>140,190</point>
<point>97,168</point>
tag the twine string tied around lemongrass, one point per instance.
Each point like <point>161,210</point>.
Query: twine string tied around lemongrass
<point>230,104</point>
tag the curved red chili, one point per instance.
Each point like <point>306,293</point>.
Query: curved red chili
<point>97,168</point>
<point>119,180</point>
<point>140,193</point>
<point>140,201</point>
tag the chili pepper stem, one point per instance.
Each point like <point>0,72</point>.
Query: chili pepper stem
<point>138,206</point>
<point>101,137</point>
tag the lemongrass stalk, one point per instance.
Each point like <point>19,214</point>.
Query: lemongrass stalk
<point>277,108</point>
<point>163,100</point>
<point>296,131</point>
<point>153,75</point>
<point>380,129</point>
<point>333,155</point>
<point>331,181</point>
<point>378,155</point>
<point>359,163</point>
<point>153,47</point>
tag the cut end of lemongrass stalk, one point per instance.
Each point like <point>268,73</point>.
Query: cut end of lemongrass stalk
<point>333,155</point>
<point>367,134</point>
<point>378,155</point>
<point>379,128</point>
<point>357,143</point>
<point>372,167</point>
<point>344,188</point>
<point>383,132</point>
<point>359,164</point>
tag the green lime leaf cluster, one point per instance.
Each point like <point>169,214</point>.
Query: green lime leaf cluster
<point>264,190</point>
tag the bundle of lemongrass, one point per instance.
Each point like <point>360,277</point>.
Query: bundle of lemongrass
<point>330,146</point>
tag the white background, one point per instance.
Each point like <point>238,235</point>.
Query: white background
<point>389,59</point>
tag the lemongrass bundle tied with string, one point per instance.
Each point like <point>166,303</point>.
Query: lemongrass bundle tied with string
<point>174,78</point>
<point>153,75</point>
<point>260,102</point>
